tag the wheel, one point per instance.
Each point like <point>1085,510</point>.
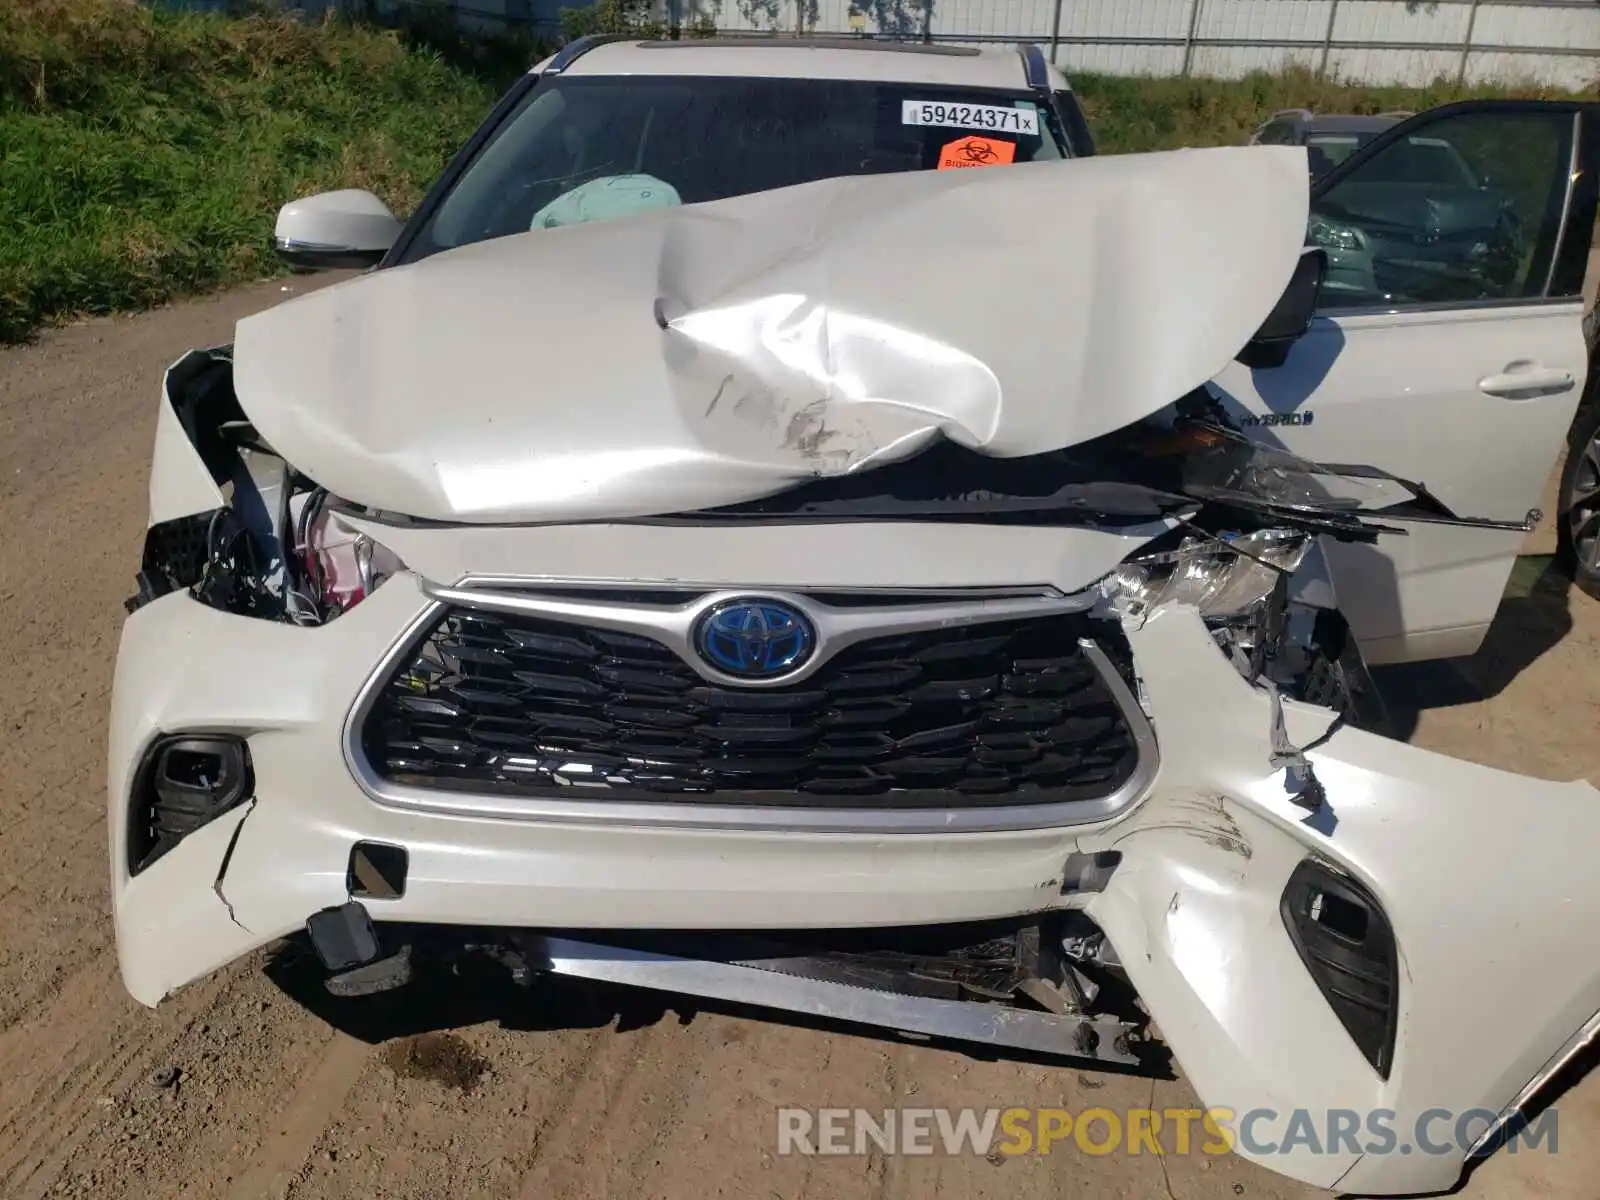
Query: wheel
<point>1579,524</point>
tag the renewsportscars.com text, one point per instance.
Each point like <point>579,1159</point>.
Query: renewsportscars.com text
<point>987,1132</point>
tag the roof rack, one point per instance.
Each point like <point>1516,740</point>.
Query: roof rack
<point>1033,68</point>
<point>745,41</point>
<point>578,47</point>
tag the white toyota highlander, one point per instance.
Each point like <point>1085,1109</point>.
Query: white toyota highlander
<point>783,523</point>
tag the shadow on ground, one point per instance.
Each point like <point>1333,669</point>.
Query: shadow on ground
<point>1534,616</point>
<point>439,999</point>
<point>1528,1127</point>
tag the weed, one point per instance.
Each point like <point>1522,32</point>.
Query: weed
<point>144,154</point>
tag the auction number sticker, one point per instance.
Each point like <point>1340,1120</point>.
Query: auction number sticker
<point>998,117</point>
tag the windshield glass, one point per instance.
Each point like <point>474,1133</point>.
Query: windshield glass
<point>1331,149</point>
<point>1420,160</point>
<point>591,148</point>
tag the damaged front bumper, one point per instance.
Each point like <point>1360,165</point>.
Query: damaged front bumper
<point>1479,877</point>
<point>1086,739</point>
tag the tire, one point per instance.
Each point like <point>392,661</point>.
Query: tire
<point>1578,524</point>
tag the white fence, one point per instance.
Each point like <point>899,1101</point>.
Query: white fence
<point>1555,42</point>
<point>1364,41</point>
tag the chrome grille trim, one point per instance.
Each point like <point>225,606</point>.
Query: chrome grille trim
<point>836,626</point>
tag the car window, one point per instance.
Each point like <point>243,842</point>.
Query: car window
<point>1466,209</point>
<point>1334,148</point>
<point>1278,133</point>
<point>590,148</point>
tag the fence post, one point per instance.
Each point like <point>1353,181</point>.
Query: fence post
<point>1055,35</point>
<point>1188,42</point>
<point>1327,37</point>
<point>1466,45</point>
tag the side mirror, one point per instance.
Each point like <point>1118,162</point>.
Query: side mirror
<point>350,228</point>
<point>1291,316</point>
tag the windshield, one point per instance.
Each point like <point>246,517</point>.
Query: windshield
<point>1328,150</point>
<point>592,148</point>
<point>1420,160</point>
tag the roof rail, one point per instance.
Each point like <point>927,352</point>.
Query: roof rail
<point>1033,66</point>
<point>1304,114</point>
<point>1399,114</point>
<point>578,47</point>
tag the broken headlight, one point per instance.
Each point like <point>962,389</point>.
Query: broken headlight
<point>1278,632</point>
<point>294,559</point>
<point>334,566</point>
<point>276,546</point>
<point>1332,235</point>
<point>1223,576</point>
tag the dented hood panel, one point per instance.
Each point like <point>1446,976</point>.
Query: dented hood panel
<point>723,352</point>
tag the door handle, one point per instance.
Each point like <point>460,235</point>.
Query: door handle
<point>1523,381</point>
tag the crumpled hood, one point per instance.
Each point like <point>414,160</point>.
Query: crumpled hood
<point>722,352</point>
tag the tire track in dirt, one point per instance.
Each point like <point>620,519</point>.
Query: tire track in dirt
<point>76,422</point>
<point>425,1132</point>
<point>241,1059</point>
<point>89,1083</point>
<point>618,1077</point>
<point>316,1100</point>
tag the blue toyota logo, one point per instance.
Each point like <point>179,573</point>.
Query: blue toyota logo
<point>755,638</point>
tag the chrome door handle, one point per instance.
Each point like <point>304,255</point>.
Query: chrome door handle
<point>1523,381</point>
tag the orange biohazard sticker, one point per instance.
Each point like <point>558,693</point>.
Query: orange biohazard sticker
<point>976,152</point>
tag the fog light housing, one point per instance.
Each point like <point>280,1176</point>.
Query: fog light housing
<point>1344,938</point>
<point>183,784</point>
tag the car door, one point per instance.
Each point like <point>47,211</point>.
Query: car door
<point>1447,349</point>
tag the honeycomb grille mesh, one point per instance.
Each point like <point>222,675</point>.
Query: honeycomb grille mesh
<point>1008,713</point>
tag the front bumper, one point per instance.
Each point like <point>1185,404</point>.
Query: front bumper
<point>1484,875</point>
<point>290,690</point>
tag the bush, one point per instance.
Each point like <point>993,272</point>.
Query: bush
<point>611,16</point>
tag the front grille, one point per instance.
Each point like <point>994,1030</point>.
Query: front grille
<point>1008,713</point>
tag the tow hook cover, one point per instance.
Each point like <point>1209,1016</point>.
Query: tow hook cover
<point>343,937</point>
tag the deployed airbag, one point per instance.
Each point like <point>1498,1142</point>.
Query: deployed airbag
<point>717,353</point>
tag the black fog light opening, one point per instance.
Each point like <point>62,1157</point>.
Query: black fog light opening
<point>1347,944</point>
<point>377,871</point>
<point>184,783</point>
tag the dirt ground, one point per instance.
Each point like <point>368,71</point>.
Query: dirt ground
<point>234,1088</point>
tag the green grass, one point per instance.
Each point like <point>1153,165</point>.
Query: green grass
<point>1131,114</point>
<point>144,154</point>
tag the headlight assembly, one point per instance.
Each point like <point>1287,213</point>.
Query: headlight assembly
<point>294,560</point>
<point>1223,577</point>
<point>1331,235</point>
<point>335,567</point>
